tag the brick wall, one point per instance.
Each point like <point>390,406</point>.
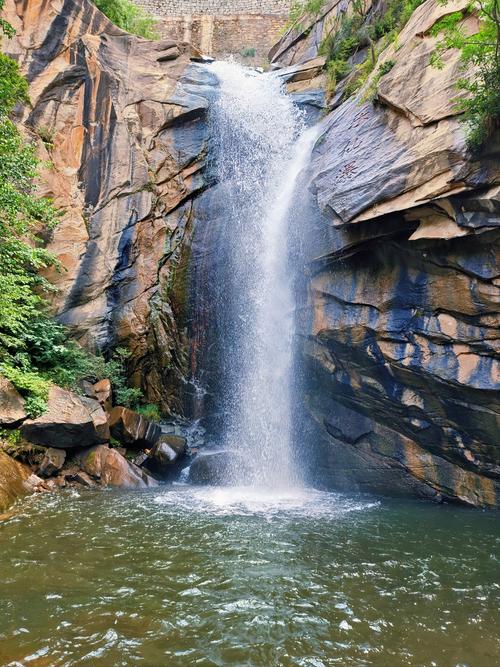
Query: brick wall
<point>215,7</point>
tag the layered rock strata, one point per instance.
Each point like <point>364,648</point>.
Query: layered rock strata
<point>399,321</point>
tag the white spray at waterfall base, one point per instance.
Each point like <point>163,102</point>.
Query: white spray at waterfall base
<point>260,150</point>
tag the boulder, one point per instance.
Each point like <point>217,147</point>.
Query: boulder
<point>103,393</point>
<point>84,479</point>
<point>222,468</point>
<point>35,484</point>
<point>113,469</point>
<point>87,388</point>
<point>167,452</point>
<point>13,476</point>
<point>70,421</point>
<point>52,462</point>
<point>169,448</point>
<point>132,429</point>
<point>11,404</point>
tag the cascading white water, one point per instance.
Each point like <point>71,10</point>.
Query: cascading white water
<point>260,149</point>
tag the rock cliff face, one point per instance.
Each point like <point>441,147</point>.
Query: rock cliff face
<point>400,318</point>
<point>399,314</point>
<point>120,121</point>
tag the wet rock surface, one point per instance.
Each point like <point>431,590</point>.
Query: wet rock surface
<point>217,468</point>
<point>167,456</point>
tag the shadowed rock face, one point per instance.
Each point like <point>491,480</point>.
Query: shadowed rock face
<point>399,323</point>
<point>122,123</point>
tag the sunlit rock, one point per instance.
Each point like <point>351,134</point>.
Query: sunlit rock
<point>69,421</point>
<point>13,476</point>
<point>103,393</point>
<point>110,468</point>
<point>11,404</point>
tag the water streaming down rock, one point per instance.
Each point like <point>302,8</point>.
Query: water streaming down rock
<point>259,151</point>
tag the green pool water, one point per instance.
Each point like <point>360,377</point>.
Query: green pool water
<point>212,576</point>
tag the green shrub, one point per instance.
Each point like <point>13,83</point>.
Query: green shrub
<point>150,411</point>
<point>46,135</point>
<point>31,385</point>
<point>298,10</point>
<point>35,351</point>
<point>22,213</point>
<point>128,16</point>
<point>481,52</point>
<point>385,68</point>
<point>355,33</point>
<point>248,52</point>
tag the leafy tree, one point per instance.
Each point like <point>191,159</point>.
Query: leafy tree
<point>480,53</point>
<point>128,16</point>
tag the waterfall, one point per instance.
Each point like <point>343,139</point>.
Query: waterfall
<point>259,150</point>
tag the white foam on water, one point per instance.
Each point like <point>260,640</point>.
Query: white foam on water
<point>261,501</point>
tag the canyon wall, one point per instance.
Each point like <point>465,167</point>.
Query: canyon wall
<point>399,320</point>
<point>120,122</point>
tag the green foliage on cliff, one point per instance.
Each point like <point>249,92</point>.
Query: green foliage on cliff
<point>23,215</point>
<point>128,16</point>
<point>299,10</point>
<point>481,56</point>
<point>360,31</point>
<point>115,369</point>
<point>35,351</point>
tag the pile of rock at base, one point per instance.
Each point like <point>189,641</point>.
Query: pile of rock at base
<point>81,440</point>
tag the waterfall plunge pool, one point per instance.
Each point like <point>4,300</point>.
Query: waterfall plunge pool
<point>217,576</point>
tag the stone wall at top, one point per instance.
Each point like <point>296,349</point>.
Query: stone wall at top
<point>244,29</point>
<point>215,7</point>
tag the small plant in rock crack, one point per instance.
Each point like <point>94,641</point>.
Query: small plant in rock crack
<point>248,52</point>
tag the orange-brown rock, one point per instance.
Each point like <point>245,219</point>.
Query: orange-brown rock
<point>132,429</point>
<point>13,476</point>
<point>110,468</point>
<point>12,410</point>
<point>104,394</point>
<point>400,324</point>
